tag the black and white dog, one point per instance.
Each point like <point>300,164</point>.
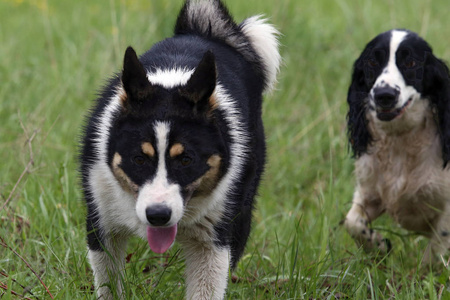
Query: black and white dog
<point>399,131</point>
<point>175,148</point>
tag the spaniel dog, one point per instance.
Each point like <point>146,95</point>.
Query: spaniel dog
<point>399,131</point>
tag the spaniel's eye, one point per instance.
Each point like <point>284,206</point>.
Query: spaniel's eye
<point>410,64</point>
<point>186,161</point>
<point>372,62</point>
<point>139,160</point>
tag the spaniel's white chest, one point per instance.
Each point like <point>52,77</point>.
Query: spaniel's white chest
<point>407,178</point>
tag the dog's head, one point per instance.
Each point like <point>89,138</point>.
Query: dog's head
<point>396,72</point>
<point>165,146</point>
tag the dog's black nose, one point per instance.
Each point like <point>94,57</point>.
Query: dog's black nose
<point>158,215</point>
<point>385,97</point>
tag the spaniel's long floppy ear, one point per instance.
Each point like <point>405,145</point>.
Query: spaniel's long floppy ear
<point>437,89</point>
<point>357,124</point>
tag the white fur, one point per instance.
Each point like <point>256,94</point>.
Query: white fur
<point>108,267</point>
<point>264,39</point>
<point>170,78</point>
<point>206,271</point>
<point>116,207</point>
<point>159,190</point>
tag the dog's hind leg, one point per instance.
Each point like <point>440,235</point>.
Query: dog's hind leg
<point>357,224</point>
<point>108,265</point>
<point>206,270</point>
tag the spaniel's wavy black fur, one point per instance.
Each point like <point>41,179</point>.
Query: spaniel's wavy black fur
<point>436,87</point>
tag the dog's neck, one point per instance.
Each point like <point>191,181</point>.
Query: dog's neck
<point>413,135</point>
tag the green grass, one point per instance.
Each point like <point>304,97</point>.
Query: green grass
<point>54,56</point>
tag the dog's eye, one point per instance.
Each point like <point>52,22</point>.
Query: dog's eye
<point>139,160</point>
<point>186,161</point>
<point>410,63</point>
<point>372,62</point>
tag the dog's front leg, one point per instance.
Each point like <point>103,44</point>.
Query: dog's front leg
<point>207,267</point>
<point>108,265</point>
<point>357,223</point>
<point>440,240</point>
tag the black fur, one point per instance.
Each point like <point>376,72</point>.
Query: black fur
<point>436,87</point>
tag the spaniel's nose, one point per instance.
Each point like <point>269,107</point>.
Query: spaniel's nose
<point>385,97</point>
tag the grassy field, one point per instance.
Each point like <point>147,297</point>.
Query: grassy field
<point>54,55</point>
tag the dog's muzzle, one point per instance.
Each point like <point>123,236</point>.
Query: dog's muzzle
<point>386,100</point>
<point>160,236</point>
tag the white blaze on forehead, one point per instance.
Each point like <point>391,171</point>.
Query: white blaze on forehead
<point>170,78</point>
<point>160,190</point>
<point>391,75</point>
<point>162,140</point>
<point>396,39</point>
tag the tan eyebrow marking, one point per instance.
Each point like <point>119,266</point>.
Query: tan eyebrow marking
<point>148,149</point>
<point>176,150</point>
<point>122,177</point>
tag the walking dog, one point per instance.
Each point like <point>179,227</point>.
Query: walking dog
<point>174,148</point>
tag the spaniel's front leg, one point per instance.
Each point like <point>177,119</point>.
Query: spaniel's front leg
<point>357,222</point>
<point>440,240</point>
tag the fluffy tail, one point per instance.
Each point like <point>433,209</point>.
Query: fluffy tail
<point>254,38</point>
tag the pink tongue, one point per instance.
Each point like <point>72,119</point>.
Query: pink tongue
<point>160,239</point>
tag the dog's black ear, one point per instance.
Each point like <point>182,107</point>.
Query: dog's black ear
<point>436,87</point>
<point>134,80</point>
<point>200,87</point>
<point>357,124</point>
